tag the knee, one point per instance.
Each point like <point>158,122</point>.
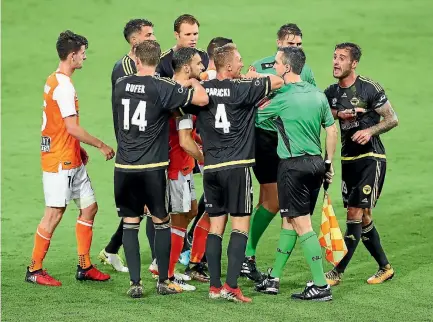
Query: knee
<point>354,213</point>
<point>157,220</point>
<point>366,217</point>
<point>54,215</point>
<point>89,212</point>
<point>270,200</point>
<point>302,224</point>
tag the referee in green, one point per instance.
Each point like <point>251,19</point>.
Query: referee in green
<point>299,111</point>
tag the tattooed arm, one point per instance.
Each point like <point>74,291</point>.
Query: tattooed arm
<point>388,122</point>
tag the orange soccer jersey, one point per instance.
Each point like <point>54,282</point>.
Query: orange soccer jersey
<point>58,147</point>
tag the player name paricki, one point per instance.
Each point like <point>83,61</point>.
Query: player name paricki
<point>134,88</point>
<point>221,92</point>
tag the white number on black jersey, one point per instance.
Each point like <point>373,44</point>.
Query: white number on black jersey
<point>139,117</point>
<point>221,121</point>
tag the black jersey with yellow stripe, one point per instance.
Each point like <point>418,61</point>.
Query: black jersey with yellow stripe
<point>367,94</point>
<point>144,105</point>
<point>165,67</point>
<point>226,124</point>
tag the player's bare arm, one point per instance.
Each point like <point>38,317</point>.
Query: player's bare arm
<point>331,145</point>
<point>199,97</point>
<point>187,143</point>
<point>388,122</point>
<point>83,136</point>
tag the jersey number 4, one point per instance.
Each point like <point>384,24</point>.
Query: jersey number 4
<point>138,118</point>
<point>221,121</point>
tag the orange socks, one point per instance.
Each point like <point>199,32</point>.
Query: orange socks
<point>177,240</point>
<point>84,235</point>
<point>42,243</point>
<point>199,240</point>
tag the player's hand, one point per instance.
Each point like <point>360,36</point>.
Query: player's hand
<point>360,110</point>
<point>347,114</point>
<point>329,174</point>
<point>84,156</point>
<point>252,74</point>
<point>107,151</point>
<point>362,136</point>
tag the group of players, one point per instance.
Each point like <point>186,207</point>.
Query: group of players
<point>269,119</point>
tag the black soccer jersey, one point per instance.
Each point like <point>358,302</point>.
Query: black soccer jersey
<point>363,93</point>
<point>226,124</point>
<point>123,67</point>
<point>143,104</point>
<point>165,67</point>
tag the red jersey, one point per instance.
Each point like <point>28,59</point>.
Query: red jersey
<point>179,159</point>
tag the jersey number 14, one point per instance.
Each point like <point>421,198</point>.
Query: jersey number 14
<point>138,118</point>
<point>221,121</point>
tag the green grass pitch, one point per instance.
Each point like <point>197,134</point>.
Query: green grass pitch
<point>396,40</point>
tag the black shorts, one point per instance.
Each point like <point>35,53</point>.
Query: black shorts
<point>228,192</point>
<point>134,189</point>
<point>299,182</point>
<point>361,182</point>
<point>266,156</point>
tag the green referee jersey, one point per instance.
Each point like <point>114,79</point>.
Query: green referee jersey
<point>266,66</point>
<point>299,111</point>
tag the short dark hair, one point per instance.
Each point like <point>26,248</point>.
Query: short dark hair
<point>183,56</point>
<point>223,54</point>
<point>135,25</point>
<point>68,42</point>
<point>185,18</point>
<point>288,29</point>
<point>215,43</point>
<point>148,52</point>
<point>294,57</point>
<point>354,49</point>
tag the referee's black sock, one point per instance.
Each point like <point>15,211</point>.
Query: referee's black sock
<point>213,254</point>
<point>236,256</point>
<point>162,248</point>
<point>351,238</point>
<point>116,240</point>
<point>150,233</point>
<point>371,239</point>
<point>131,246</point>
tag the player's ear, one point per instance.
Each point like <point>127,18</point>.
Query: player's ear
<point>176,35</point>
<point>279,43</point>
<point>354,64</point>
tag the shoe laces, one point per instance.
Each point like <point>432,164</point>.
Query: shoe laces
<point>332,275</point>
<point>380,272</point>
<point>45,274</point>
<point>179,281</point>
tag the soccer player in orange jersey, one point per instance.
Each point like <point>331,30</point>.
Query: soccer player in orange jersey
<point>63,164</point>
